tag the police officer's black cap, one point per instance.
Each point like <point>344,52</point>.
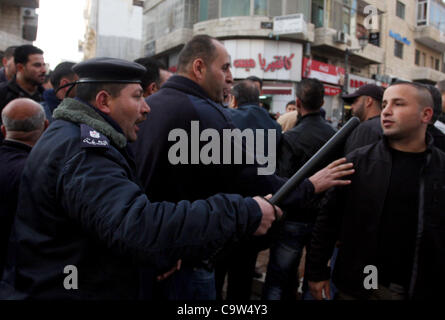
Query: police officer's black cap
<point>110,70</point>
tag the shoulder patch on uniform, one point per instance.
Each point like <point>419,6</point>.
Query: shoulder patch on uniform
<point>90,138</point>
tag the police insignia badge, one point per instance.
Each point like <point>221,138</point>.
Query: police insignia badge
<point>90,138</point>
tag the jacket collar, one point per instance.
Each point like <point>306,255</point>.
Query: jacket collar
<point>77,111</point>
<point>186,85</point>
<point>428,139</point>
<point>17,145</point>
<point>309,117</point>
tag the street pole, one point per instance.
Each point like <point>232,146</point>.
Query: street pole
<point>345,85</point>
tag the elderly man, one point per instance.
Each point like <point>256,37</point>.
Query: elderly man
<point>23,123</point>
<point>82,212</point>
<point>390,219</point>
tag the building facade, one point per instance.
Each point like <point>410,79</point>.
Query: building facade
<point>283,41</point>
<point>18,22</point>
<point>113,29</point>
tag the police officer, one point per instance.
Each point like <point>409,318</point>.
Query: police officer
<point>82,212</point>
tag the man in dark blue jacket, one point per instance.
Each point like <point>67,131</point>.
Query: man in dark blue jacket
<point>83,225</point>
<point>23,123</point>
<point>188,105</point>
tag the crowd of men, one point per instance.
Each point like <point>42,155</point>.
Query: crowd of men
<point>93,206</point>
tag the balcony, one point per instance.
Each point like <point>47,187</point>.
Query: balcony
<point>431,37</point>
<point>253,26</point>
<point>426,75</point>
<point>325,40</point>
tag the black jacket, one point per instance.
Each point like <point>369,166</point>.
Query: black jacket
<point>11,90</point>
<point>13,156</point>
<point>80,204</point>
<point>352,215</point>
<point>297,146</point>
<point>366,133</point>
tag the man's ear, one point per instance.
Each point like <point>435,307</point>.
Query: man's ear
<point>19,67</point>
<point>103,101</point>
<point>298,104</point>
<point>199,68</point>
<point>233,103</point>
<point>368,102</point>
<point>4,62</point>
<point>150,89</point>
<point>45,124</point>
<point>3,128</point>
<point>427,114</point>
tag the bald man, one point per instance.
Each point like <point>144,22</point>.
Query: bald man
<point>23,123</point>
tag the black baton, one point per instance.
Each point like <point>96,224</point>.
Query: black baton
<point>315,160</point>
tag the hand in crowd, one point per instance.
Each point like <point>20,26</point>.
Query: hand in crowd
<point>317,289</point>
<point>269,215</point>
<point>170,272</point>
<point>332,175</point>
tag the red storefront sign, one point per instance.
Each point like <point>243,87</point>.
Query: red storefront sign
<point>278,63</point>
<point>322,71</point>
<point>331,90</point>
<point>244,63</point>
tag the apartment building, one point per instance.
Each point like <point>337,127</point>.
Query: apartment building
<point>18,22</point>
<point>406,41</point>
<point>113,29</point>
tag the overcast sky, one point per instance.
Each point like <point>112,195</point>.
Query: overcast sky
<point>61,26</point>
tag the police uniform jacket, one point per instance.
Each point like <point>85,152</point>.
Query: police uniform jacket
<point>80,206</point>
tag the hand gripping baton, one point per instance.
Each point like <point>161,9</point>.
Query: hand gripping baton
<point>315,161</point>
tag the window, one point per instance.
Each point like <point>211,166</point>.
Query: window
<point>437,66</point>
<point>317,13</point>
<point>432,62</point>
<point>208,9</point>
<point>417,61</point>
<point>398,49</point>
<point>400,10</point>
<point>235,8</point>
<point>423,61</point>
<point>422,9</point>
<point>260,8</point>
<point>299,6</point>
<point>275,8</point>
<point>340,9</point>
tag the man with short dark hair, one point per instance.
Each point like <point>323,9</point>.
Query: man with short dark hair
<point>389,221</point>
<point>297,146</point>
<point>257,81</point>
<point>30,76</point>
<point>7,71</point>
<point>23,123</point>
<point>60,78</point>
<point>193,97</point>
<point>155,76</point>
<point>81,207</point>
<point>366,104</point>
